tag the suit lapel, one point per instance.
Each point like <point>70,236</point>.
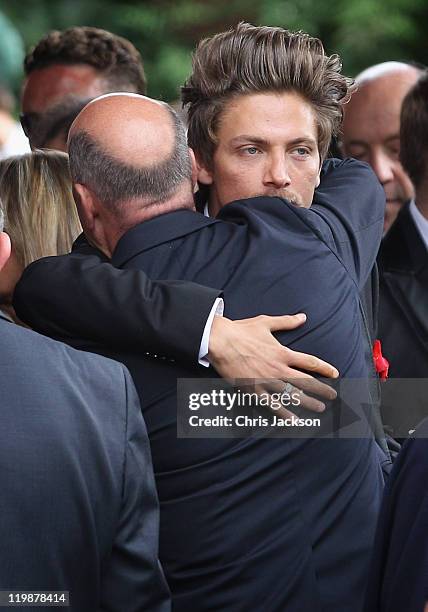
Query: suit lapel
<point>5,317</point>
<point>410,293</point>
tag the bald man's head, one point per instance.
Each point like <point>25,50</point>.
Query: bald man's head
<point>129,149</point>
<point>371,128</point>
<point>387,69</point>
<point>129,162</point>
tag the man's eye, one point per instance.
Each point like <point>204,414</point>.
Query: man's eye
<point>251,150</point>
<point>360,155</point>
<point>301,151</point>
<point>394,152</point>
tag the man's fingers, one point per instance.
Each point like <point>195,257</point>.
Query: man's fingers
<point>310,363</point>
<point>295,382</point>
<point>284,322</point>
<point>296,393</point>
<point>299,398</point>
<point>309,403</point>
<point>310,385</point>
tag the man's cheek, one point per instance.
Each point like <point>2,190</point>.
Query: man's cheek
<point>234,187</point>
<point>406,185</point>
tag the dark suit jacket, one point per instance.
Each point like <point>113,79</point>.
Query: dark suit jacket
<point>78,504</point>
<point>151,315</point>
<point>403,314</point>
<point>399,573</point>
<point>273,525</point>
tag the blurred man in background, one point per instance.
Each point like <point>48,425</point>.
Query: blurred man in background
<point>371,132</point>
<point>371,128</point>
<point>403,258</point>
<point>66,70</point>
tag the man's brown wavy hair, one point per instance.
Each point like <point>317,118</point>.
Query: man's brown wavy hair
<point>249,59</point>
<point>114,57</point>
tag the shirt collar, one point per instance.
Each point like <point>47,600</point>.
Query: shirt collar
<point>420,222</point>
<point>6,317</point>
<point>206,211</point>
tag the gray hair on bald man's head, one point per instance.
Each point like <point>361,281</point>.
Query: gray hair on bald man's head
<point>115,182</point>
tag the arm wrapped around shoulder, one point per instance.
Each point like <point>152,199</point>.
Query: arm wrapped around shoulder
<point>351,201</point>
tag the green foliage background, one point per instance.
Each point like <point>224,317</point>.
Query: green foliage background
<point>363,32</point>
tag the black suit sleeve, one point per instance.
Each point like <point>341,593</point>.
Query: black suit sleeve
<point>81,295</point>
<point>134,579</point>
<point>348,212</point>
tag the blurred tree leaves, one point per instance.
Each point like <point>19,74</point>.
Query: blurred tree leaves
<point>11,52</point>
<point>363,32</point>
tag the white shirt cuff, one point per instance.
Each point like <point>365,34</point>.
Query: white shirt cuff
<point>217,309</point>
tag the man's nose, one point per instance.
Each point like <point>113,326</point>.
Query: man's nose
<point>277,172</point>
<point>383,166</point>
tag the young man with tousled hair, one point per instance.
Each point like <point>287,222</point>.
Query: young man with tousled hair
<point>273,524</point>
<point>233,109</point>
<point>235,97</point>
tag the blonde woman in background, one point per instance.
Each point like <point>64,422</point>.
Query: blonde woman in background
<point>40,214</point>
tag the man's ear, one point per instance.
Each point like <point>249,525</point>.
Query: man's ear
<point>92,217</point>
<point>194,168</point>
<point>85,206</point>
<point>204,174</point>
<point>5,249</point>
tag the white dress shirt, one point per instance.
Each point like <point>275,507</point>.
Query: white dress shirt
<point>217,309</point>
